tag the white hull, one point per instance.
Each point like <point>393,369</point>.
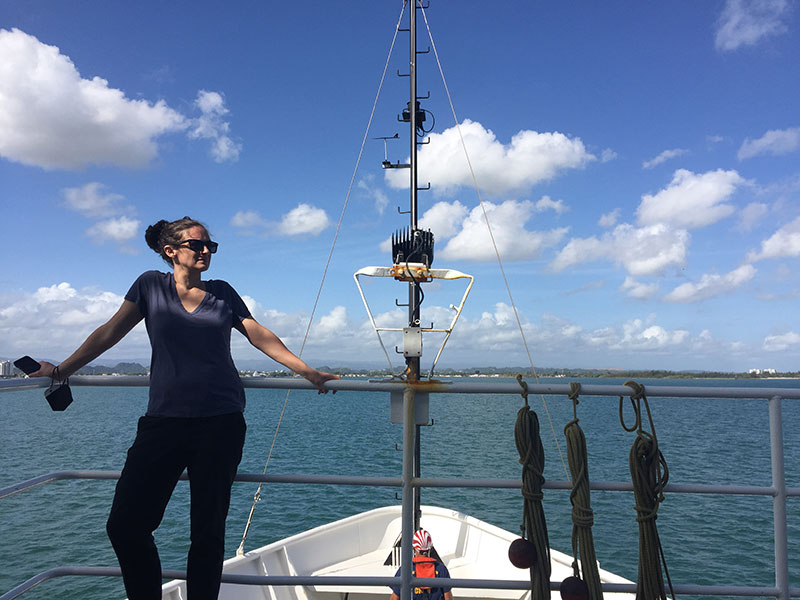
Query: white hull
<point>359,546</point>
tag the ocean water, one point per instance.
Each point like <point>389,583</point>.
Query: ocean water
<point>708,540</point>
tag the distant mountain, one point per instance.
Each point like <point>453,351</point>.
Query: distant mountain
<point>123,368</point>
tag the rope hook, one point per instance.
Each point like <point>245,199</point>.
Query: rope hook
<point>524,386</point>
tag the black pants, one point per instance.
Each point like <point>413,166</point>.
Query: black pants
<point>210,449</point>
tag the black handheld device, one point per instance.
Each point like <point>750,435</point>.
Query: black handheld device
<point>27,365</point>
<point>58,395</point>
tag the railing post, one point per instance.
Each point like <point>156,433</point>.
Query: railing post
<point>409,430</point>
<point>779,500</point>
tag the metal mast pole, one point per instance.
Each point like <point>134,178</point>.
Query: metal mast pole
<point>413,363</point>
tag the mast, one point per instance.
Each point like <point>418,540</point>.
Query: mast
<point>412,257</point>
<point>413,362</point>
<point>412,254</point>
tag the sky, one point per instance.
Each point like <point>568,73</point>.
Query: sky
<point>638,163</point>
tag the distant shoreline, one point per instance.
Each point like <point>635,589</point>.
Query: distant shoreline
<point>135,368</point>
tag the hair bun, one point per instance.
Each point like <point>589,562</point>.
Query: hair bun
<point>168,233</point>
<point>153,235</point>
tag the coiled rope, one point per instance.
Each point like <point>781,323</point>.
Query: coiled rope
<point>257,495</point>
<point>534,527</point>
<point>649,475</point>
<point>582,514</point>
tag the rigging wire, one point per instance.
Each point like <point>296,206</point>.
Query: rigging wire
<point>257,495</point>
<point>491,235</point>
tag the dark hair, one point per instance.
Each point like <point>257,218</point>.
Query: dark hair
<point>168,233</point>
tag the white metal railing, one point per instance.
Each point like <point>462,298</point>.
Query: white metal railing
<point>407,482</point>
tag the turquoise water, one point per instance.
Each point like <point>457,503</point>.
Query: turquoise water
<point>709,540</point>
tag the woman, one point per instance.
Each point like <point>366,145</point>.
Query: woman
<point>194,416</point>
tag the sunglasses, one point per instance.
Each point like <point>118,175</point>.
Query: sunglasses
<point>198,245</point>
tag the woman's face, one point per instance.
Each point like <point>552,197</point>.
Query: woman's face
<point>184,256</point>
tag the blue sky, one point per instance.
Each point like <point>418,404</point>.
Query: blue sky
<point>639,164</point>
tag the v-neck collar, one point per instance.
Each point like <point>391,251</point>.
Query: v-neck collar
<point>174,288</point>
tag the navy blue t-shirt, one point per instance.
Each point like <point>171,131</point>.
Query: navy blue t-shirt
<point>191,370</point>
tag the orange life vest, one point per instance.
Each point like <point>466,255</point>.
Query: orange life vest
<point>424,566</point>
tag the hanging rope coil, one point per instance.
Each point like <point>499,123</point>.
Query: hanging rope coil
<point>649,475</point>
<point>534,527</point>
<point>582,514</point>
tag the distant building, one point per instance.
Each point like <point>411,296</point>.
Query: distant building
<point>762,371</point>
<point>6,368</point>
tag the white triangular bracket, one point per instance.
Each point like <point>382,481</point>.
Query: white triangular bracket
<point>419,273</point>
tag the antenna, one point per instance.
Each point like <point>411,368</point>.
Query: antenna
<point>386,162</point>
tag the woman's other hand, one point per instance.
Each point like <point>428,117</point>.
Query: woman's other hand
<point>318,378</point>
<point>45,370</point>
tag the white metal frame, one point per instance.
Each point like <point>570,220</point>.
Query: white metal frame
<point>448,274</point>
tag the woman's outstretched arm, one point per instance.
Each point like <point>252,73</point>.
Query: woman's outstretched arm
<point>100,340</point>
<point>271,345</point>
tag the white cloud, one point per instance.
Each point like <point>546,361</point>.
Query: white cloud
<point>607,155</point>
<point>634,336</point>
<point>91,200</point>
<point>493,331</point>
<point>304,219</point>
<point>211,125</point>
<point>225,149</point>
<point>638,290</point>
<point>53,321</point>
<point>663,157</point>
<point>470,236</point>
<point>784,242</point>
<point>301,220</point>
<point>641,251</point>
<point>691,200</point>
<point>782,342</point>
<point>529,158</point>
<point>609,219</point>
<point>637,341</point>
<point>783,192</point>
<point>54,119</point>
<point>546,203</point>
<point>444,219</point>
<point>334,337</point>
<point>774,141</point>
<point>751,215</point>
<point>329,327</point>
<point>656,336</point>
<point>379,197</point>
<point>513,241</point>
<point>248,219</point>
<point>120,229</point>
<point>711,284</point>
<point>55,293</point>
<point>747,22</point>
